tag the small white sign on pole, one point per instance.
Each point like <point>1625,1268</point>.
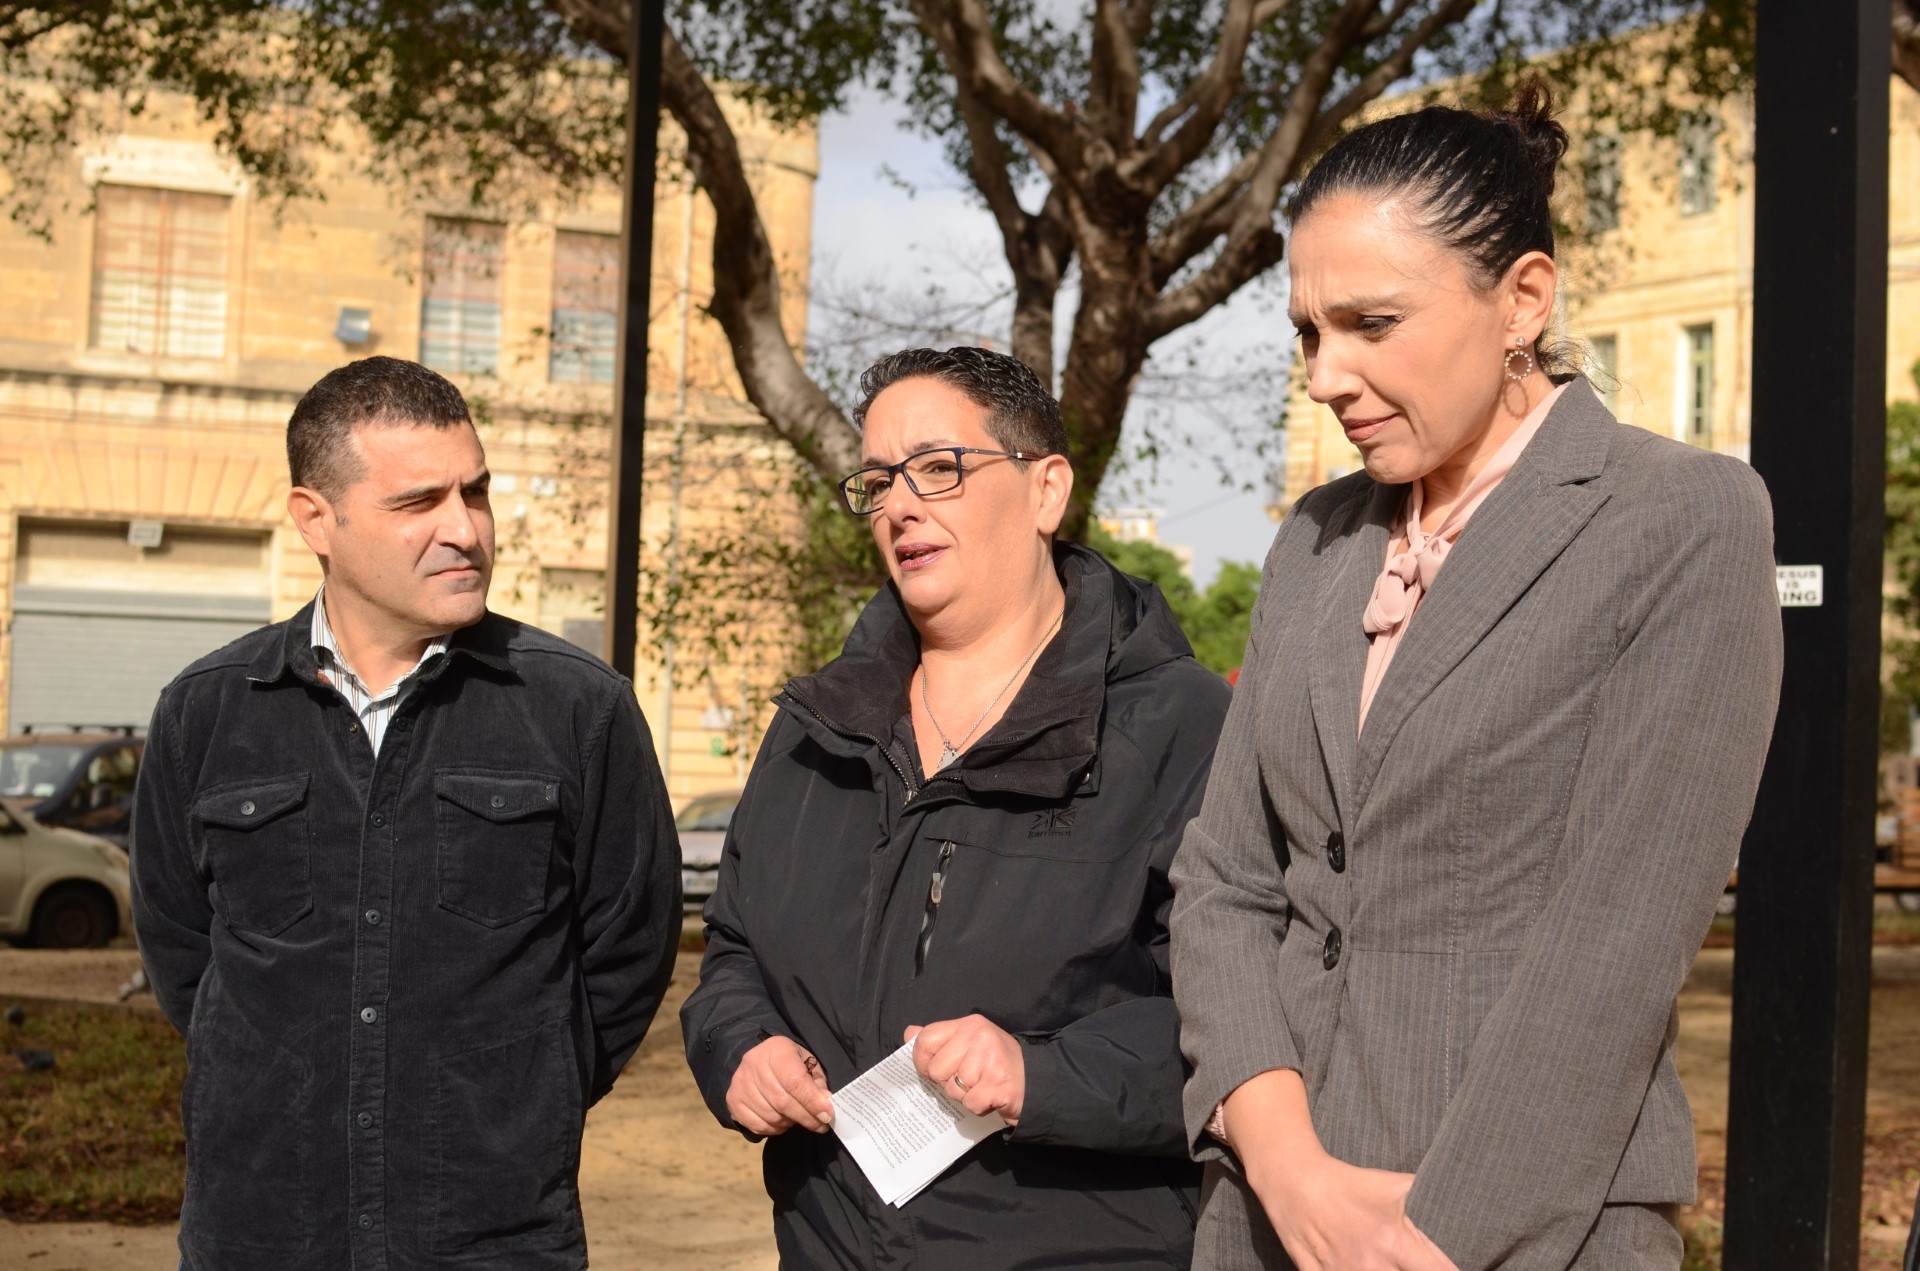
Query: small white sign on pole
<point>1800,586</point>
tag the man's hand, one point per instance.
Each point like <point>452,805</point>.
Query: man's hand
<point>1330,1216</point>
<point>977,1063</point>
<point>777,1086</point>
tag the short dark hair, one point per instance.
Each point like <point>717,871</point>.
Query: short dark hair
<point>1021,414</point>
<point>1480,181</point>
<point>385,391</point>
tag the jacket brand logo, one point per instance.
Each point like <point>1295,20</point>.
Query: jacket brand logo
<point>1053,823</point>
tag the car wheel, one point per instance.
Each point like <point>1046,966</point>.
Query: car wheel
<point>72,918</point>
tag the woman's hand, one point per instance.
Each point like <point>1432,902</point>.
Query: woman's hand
<point>777,1086</point>
<point>1330,1216</point>
<point>977,1063</point>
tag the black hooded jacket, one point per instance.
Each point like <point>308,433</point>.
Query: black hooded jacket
<point>1054,833</point>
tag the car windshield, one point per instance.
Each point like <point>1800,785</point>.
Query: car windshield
<point>708,812</point>
<point>36,771</point>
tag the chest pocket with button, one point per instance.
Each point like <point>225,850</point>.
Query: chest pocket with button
<point>495,840</point>
<point>257,845</point>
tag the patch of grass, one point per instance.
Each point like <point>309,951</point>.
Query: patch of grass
<point>1702,1246</point>
<point>1895,926</point>
<point>98,1137</point>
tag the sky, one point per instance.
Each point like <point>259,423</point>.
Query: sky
<point>871,236</point>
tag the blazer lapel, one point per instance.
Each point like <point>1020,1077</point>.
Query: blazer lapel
<point>1339,660</point>
<point>1517,533</point>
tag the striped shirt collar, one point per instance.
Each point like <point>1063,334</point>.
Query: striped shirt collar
<point>374,712</point>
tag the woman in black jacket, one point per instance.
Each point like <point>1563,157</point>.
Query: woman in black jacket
<point>958,832</point>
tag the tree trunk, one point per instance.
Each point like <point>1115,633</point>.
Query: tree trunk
<point>1906,41</point>
<point>1104,359</point>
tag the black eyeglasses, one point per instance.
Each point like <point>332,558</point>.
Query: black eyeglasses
<point>929,472</point>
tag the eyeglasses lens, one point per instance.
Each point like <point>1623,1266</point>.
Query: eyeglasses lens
<point>935,472</point>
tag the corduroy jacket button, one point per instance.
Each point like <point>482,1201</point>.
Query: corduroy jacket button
<point>1330,956</point>
<point>1337,852</point>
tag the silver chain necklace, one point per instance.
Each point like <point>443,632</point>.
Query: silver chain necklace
<point>950,753</point>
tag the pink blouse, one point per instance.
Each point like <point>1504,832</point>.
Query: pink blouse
<point>1414,556</point>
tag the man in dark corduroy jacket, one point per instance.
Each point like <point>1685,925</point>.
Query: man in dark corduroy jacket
<point>404,874</point>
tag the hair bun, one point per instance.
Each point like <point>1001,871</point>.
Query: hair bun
<point>1531,116</point>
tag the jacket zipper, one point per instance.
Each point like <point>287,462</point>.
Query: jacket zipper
<point>906,781</point>
<point>934,891</point>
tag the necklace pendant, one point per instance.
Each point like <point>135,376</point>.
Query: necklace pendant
<point>948,756</point>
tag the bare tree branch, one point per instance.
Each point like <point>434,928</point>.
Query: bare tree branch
<point>1906,41</point>
<point>1139,20</point>
<point>1385,21</point>
<point>1250,232</point>
<point>1113,98</point>
<point>1038,247</point>
<point>1048,250</point>
<point>980,63</point>
<point>1216,212</point>
<point>1390,69</point>
<point>746,278</point>
<point>1202,221</point>
<point>1251,237</point>
<point>604,22</point>
<point>1202,104</point>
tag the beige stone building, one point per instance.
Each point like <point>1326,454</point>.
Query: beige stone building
<point>152,349</point>
<point>1660,293</point>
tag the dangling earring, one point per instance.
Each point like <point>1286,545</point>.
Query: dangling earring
<point>1524,355</point>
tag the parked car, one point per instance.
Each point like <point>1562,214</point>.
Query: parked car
<point>60,888</point>
<point>703,833</point>
<point>77,780</point>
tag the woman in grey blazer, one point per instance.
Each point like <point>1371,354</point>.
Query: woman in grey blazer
<point>1501,720</point>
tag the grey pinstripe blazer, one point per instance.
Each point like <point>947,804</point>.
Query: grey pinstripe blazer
<point>1476,976</point>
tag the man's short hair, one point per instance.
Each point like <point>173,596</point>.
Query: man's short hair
<point>383,391</point>
<point>1021,414</point>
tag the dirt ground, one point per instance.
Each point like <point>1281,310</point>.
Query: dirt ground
<point>1893,1090</point>
<point>664,1187</point>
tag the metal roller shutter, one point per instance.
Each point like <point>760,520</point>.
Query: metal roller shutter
<point>102,657</point>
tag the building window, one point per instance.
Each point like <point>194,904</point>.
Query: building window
<point>159,272</point>
<point>1605,367</point>
<point>586,294</point>
<point>1699,165</point>
<point>460,311</point>
<point>1603,182</point>
<point>1697,424</point>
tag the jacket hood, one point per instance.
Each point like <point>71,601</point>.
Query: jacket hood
<point>1116,627</point>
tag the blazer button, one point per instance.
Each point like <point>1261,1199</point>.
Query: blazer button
<point>1330,956</point>
<point>1337,852</point>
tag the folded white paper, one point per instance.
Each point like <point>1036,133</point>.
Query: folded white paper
<point>901,1129</point>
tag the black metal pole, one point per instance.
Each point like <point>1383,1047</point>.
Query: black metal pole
<point>626,459</point>
<point>1803,934</point>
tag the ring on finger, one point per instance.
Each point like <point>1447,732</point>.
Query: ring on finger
<point>959,1083</point>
